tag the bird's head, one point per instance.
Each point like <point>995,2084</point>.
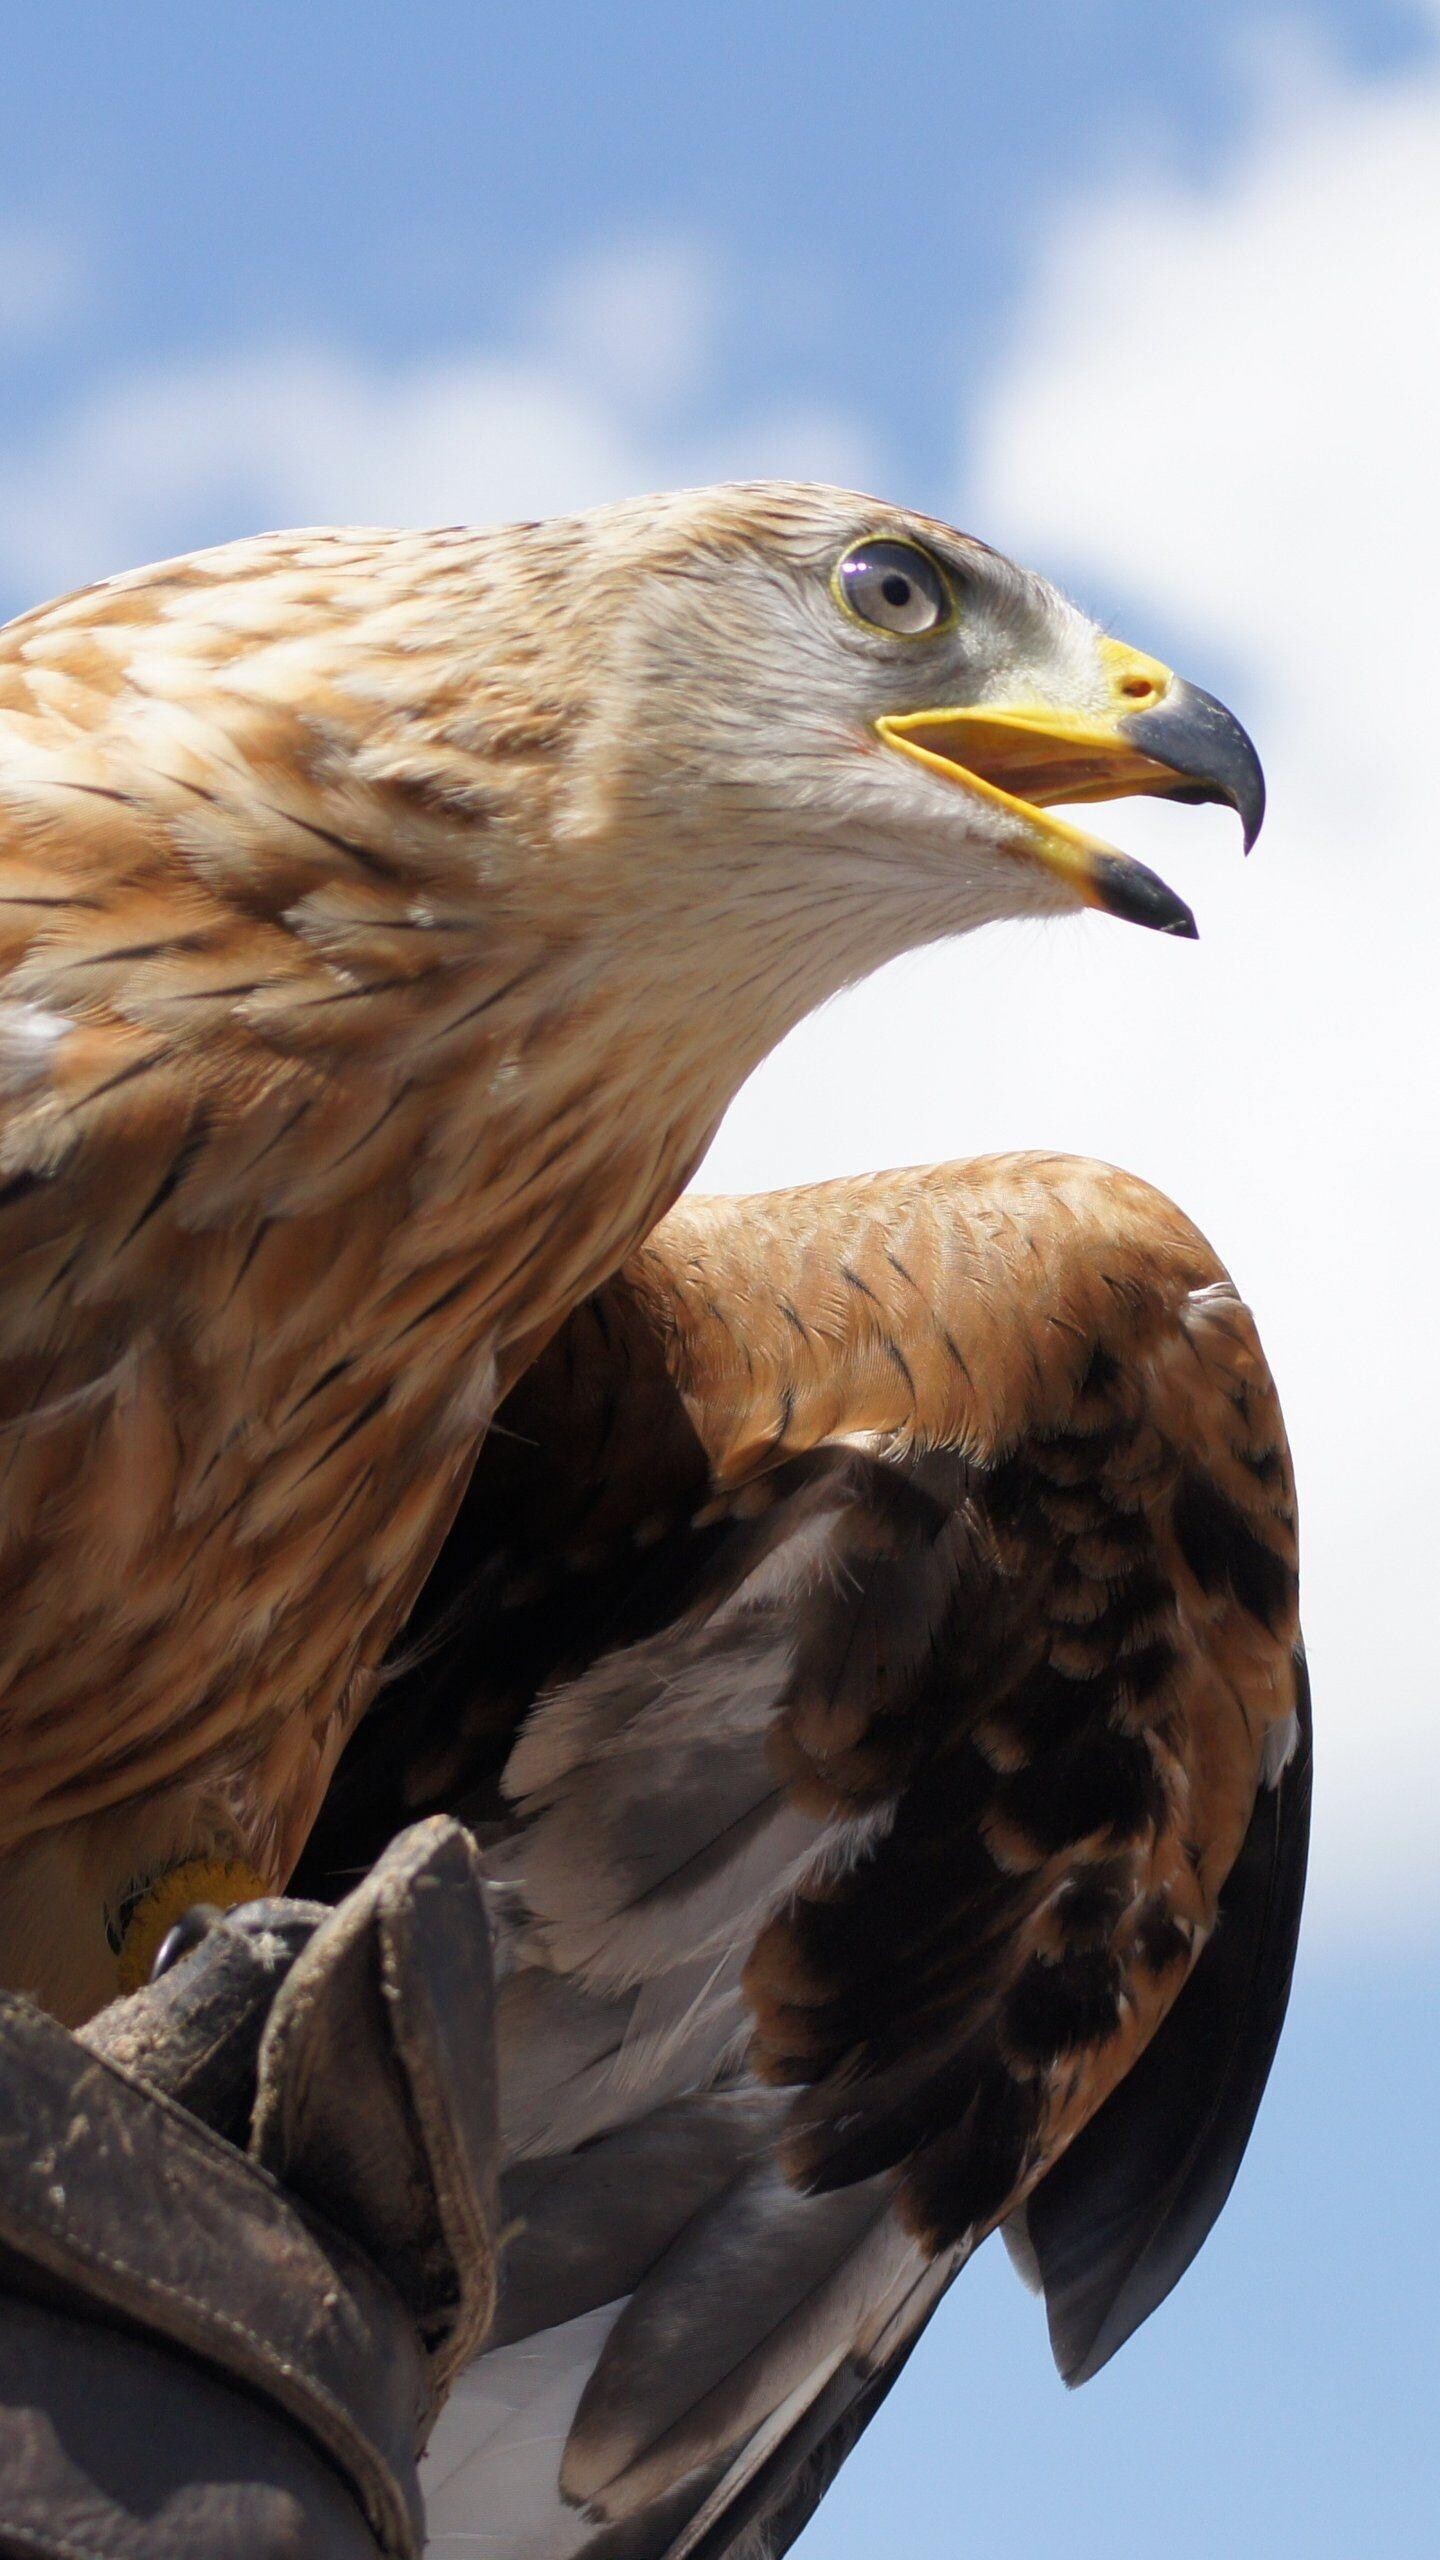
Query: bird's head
<point>834,707</point>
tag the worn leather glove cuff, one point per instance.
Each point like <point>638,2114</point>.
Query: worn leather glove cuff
<point>206,2355</point>
<point>118,2208</point>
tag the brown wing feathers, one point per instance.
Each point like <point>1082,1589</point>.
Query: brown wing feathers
<point>1112,2227</point>
<point>1055,1652</point>
<point>923,1666</point>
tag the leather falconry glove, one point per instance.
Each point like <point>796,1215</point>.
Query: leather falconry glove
<point>247,2228</point>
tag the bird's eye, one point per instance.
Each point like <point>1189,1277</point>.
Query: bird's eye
<point>895,587</point>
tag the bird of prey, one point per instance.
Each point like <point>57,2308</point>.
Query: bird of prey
<point>386,920</point>
<point>867,1639</point>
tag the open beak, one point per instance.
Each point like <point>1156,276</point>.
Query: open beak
<point>1160,736</point>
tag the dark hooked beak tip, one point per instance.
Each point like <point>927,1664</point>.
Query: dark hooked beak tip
<point>1126,889</point>
<point>1204,745</point>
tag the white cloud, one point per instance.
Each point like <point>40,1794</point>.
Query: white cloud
<point>301,433</point>
<point>642,317</point>
<point>1224,403</point>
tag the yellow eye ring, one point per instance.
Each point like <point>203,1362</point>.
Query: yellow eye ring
<point>894,588</point>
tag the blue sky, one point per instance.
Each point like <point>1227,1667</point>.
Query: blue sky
<point>403,174</point>
<point>872,180</point>
<point>1144,295</point>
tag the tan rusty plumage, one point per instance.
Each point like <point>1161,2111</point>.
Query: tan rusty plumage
<point>265,1258</point>
<point>385,921</point>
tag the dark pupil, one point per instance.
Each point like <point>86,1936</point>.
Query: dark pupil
<point>895,589</point>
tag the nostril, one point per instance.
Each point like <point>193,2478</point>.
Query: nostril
<point>1139,688</point>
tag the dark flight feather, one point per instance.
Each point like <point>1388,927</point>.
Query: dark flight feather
<point>1114,2225</point>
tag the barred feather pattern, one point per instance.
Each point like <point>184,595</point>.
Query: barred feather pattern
<point>360,1010</point>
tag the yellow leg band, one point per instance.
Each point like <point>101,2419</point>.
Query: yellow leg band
<point>221,1880</point>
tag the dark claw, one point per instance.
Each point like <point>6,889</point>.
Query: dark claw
<point>190,1929</point>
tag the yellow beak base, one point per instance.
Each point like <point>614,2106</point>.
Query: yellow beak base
<point>1164,739</point>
